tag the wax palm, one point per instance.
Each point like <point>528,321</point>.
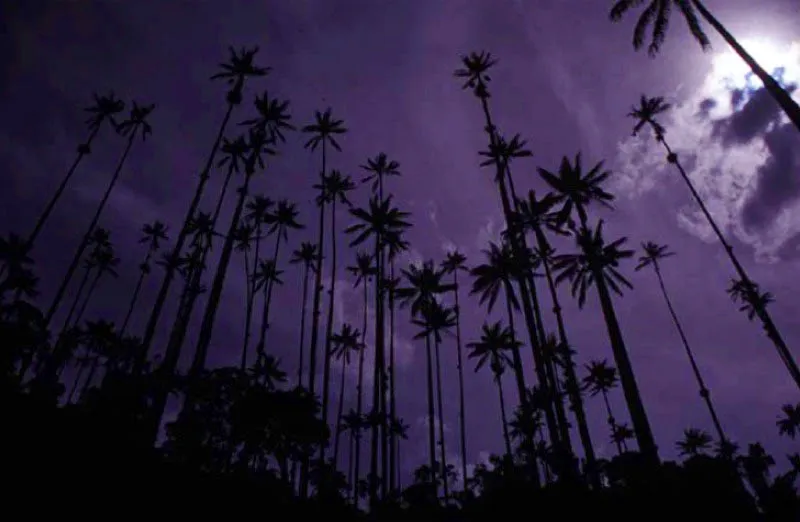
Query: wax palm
<point>105,109</point>
<point>749,296</point>
<point>657,14</point>
<point>493,347</point>
<point>333,188</point>
<point>601,378</point>
<point>324,131</point>
<point>243,243</point>
<point>437,319</point>
<point>620,435</point>
<point>307,256</point>
<point>152,236</point>
<point>645,115</point>
<point>577,189</point>
<point>99,243</point>
<point>135,124</point>
<point>106,264</point>
<point>379,167</point>
<point>265,275</point>
<point>14,260</point>
<point>343,345</point>
<point>454,263</point>
<point>789,424</point>
<point>273,118</point>
<point>240,67</point>
<point>695,442</point>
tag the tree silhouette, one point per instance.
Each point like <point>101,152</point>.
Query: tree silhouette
<point>344,344</point>
<point>307,256</point>
<point>153,234</point>
<point>657,14</point>
<point>694,442</point>
<point>602,378</point>
<point>789,424</point>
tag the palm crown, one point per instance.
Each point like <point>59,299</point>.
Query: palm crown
<point>454,261</point>
<point>657,14</point>
<point>323,130</point>
<point>153,234</point>
<point>493,347</point>
<point>283,218</point>
<point>496,274</point>
<point>137,121</point>
<point>380,219</point>
<point>475,72</point>
<point>600,378</point>
<point>646,112</point>
<point>240,66</point>
<point>577,189</point>
<point>424,284</point>
<point>104,108</point>
<point>378,167</point>
<point>306,254</point>
<point>652,254</point>
<point>334,187</point>
<point>273,117</point>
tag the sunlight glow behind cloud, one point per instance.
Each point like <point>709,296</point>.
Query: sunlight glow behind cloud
<point>727,136</point>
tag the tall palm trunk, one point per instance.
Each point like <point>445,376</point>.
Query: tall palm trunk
<point>261,347</point>
<point>516,359</point>
<point>573,388</point>
<point>761,311</point>
<point>315,312</point>
<point>778,93</point>
<point>704,393</point>
<point>518,248</point>
<point>326,371</point>
<point>76,259</point>
<point>207,326</point>
<point>378,432</point>
<point>440,406</point>
<point>394,452</point>
<point>360,397</point>
<point>503,416</point>
<point>90,377</point>
<point>461,405</point>
<point>633,398</point>
<point>89,293</point>
<point>169,275</point>
<point>78,295</point>
<point>251,296</point>
<point>248,310</point>
<point>83,150</point>
<point>339,415</point>
<point>303,314</point>
<point>431,421</point>
<point>612,423</point>
<point>137,289</point>
<point>76,382</point>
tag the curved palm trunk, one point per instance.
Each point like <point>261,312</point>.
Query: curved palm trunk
<point>76,259</point>
<point>461,405</point>
<point>431,417</point>
<point>440,406</point>
<point>169,275</point>
<point>326,370</point>
<point>612,423</point>
<point>503,416</point>
<point>135,297</point>
<point>339,414</point>
<point>207,326</point>
<point>518,247</point>
<point>778,93</point>
<point>261,347</point>
<point>60,190</point>
<point>356,435</point>
<point>303,314</point>
<point>573,388</point>
<point>761,311</point>
<point>704,393</point>
<point>394,443</point>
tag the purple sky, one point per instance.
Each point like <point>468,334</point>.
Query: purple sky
<point>565,80</point>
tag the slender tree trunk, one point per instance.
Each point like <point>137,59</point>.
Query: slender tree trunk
<point>384,379</point>
<point>326,370</point>
<point>261,348</point>
<point>778,93</point>
<point>704,393</point>
<point>431,417</point>
<point>74,306</point>
<point>612,423</point>
<point>251,297</point>
<point>573,388</point>
<point>60,190</point>
<point>440,406</point>
<point>339,414</point>
<point>76,382</point>
<point>207,326</point>
<point>135,297</point>
<point>360,397</point>
<point>503,416</point>
<point>393,439</point>
<point>761,311</point>
<point>76,259</point>
<point>515,356</point>
<point>248,311</point>
<point>461,404</point>
<point>303,325</point>
<point>90,377</point>
<point>89,293</point>
<point>175,254</point>
<point>379,374</point>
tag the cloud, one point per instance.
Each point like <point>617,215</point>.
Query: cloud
<point>741,153</point>
<point>490,232</point>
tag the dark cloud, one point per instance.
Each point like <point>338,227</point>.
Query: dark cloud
<point>778,180</point>
<point>705,106</point>
<point>758,111</point>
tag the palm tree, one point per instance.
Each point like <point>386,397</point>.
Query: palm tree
<point>620,435</point>
<point>454,263</point>
<point>424,284</point>
<point>307,255</point>
<point>135,125</point>
<point>257,214</point>
<point>653,253</point>
<point>99,241</point>
<point>259,144</point>
<point>243,244</point>
<point>694,442</point>
<point>645,115</point>
<point>283,219</point>
<point>363,270</point>
<point>384,223</point>
<point>333,188</point>
<point>496,340</point>
<point>347,341</point>
<point>789,425</point>
<point>153,234</point>
<point>657,14</point>
<point>235,72</point>
<point>105,108</point>
<point>106,263</point>
<point>602,378</point>
<point>265,275</point>
<point>536,214</point>
<point>474,72</point>
<point>435,320</point>
<point>323,132</point>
